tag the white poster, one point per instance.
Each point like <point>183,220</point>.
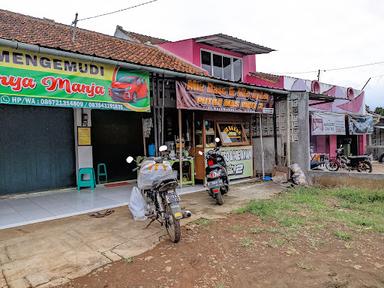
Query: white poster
<point>328,123</point>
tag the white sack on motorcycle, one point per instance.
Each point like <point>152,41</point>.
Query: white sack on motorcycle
<point>151,171</point>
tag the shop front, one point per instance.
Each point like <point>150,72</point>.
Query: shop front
<point>331,130</point>
<point>220,111</point>
<point>50,104</point>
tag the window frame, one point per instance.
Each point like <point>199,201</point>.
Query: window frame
<point>222,68</point>
<point>245,141</point>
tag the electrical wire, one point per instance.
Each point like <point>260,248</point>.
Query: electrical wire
<point>333,69</point>
<point>117,11</point>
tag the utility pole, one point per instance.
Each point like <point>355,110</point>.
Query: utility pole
<point>366,83</point>
<point>74,23</point>
<point>318,75</point>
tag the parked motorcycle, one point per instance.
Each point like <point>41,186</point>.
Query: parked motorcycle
<point>361,163</point>
<point>158,183</point>
<point>216,174</point>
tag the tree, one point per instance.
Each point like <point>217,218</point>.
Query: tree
<point>380,111</point>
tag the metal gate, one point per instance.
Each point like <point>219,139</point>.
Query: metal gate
<point>36,149</point>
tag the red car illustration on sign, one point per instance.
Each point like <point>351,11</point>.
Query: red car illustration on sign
<point>128,89</point>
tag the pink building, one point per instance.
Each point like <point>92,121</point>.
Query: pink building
<point>233,59</point>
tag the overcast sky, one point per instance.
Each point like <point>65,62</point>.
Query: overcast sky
<point>308,35</point>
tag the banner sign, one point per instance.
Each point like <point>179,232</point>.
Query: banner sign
<point>196,95</point>
<point>239,161</point>
<point>327,123</point>
<point>362,124</point>
<point>28,78</point>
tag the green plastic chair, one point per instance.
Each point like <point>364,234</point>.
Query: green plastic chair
<point>102,172</point>
<point>81,182</point>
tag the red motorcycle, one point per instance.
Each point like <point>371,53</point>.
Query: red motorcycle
<point>361,163</point>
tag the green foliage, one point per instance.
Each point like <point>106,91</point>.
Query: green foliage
<point>379,110</point>
<point>342,235</point>
<point>315,206</point>
<point>203,222</point>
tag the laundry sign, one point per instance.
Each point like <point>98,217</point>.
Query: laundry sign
<point>28,78</point>
<point>239,161</point>
<point>327,123</point>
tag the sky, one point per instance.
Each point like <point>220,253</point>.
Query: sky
<point>308,35</point>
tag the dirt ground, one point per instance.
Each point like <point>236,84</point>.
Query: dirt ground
<point>244,251</point>
<point>53,252</point>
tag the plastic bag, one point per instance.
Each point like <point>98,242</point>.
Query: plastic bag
<point>151,171</point>
<point>298,175</point>
<point>137,205</point>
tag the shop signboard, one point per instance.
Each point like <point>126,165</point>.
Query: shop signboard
<point>197,95</point>
<point>327,123</point>
<point>239,161</point>
<point>28,78</point>
<point>360,124</point>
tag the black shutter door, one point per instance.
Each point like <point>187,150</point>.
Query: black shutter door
<point>36,149</point>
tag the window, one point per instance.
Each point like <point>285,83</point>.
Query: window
<point>220,66</point>
<point>232,133</point>
<point>206,61</point>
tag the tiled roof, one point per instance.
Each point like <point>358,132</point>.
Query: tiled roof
<point>49,34</point>
<point>266,76</point>
<point>141,38</point>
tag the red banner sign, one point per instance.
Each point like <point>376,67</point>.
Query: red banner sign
<point>195,95</point>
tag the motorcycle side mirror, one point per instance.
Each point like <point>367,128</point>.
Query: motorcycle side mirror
<point>200,152</point>
<point>163,148</point>
<point>129,159</point>
<point>217,139</point>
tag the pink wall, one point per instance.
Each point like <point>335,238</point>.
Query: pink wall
<point>183,49</point>
<point>332,146</point>
<point>189,50</point>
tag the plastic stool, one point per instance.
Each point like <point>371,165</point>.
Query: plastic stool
<point>86,182</point>
<point>101,172</point>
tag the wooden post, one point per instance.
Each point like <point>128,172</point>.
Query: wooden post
<point>180,150</point>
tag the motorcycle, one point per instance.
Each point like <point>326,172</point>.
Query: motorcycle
<point>159,191</point>
<point>216,174</point>
<point>361,163</point>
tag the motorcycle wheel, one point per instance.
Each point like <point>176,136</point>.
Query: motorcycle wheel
<point>173,226</point>
<point>365,166</point>
<point>332,166</point>
<point>219,198</point>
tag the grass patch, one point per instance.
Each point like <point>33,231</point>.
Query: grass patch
<point>128,259</point>
<point>203,222</point>
<point>246,242</point>
<point>342,235</point>
<point>359,209</point>
<point>256,230</point>
<point>276,242</point>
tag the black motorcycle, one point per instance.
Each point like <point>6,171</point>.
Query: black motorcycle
<point>361,163</point>
<point>163,203</point>
<point>216,174</point>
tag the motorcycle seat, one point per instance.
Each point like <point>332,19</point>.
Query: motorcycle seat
<point>163,181</point>
<point>358,157</point>
<point>215,166</point>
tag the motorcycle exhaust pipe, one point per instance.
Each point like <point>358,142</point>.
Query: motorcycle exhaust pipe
<point>187,214</point>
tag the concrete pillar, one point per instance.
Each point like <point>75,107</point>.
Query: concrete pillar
<point>84,157</point>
